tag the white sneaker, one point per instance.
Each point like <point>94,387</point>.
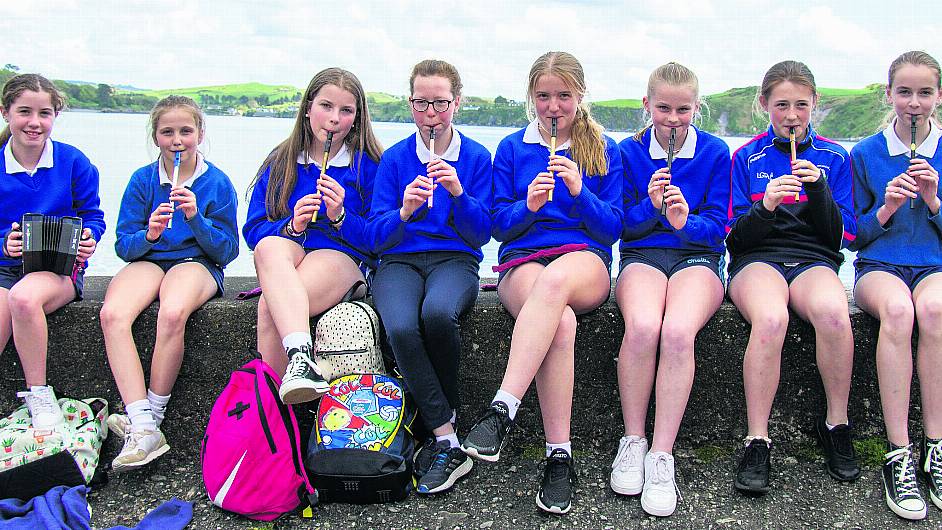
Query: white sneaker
<point>660,492</point>
<point>43,407</point>
<point>140,447</point>
<point>628,468</point>
<point>303,380</point>
<point>119,424</point>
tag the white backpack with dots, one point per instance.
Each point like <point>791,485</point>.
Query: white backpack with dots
<point>346,341</point>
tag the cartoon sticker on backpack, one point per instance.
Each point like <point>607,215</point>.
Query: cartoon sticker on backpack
<point>360,411</point>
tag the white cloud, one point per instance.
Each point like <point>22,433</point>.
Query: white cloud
<point>728,43</point>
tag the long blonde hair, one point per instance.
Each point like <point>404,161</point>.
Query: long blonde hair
<point>31,82</point>
<point>283,160</point>
<point>675,75</point>
<point>588,145</point>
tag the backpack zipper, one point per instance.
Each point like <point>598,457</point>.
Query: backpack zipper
<point>328,353</point>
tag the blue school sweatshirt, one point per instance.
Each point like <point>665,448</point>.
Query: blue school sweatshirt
<point>812,229</point>
<point>911,236</point>
<point>357,180</point>
<point>700,169</point>
<point>66,185</point>
<point>212,233</point>
<point>594,217</point>
<point>461,223</point>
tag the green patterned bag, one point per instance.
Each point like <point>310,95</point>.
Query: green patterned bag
<point>33,461</point>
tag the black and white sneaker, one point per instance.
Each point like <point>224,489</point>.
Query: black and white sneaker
<point>489,434</point>
<point>449,464</point>
<point>752,475</point>
<point>426,455</point>
<point>931,466</point>
<point>559,482</point>
<point>303,379</point>
<point>899,484</point>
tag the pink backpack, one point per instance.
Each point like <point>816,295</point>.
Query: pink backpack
<point>251,456</point>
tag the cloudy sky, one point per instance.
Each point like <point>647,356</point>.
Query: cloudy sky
<point>728,43</point>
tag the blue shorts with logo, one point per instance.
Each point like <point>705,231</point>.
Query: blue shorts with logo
<point>670,261</point>
<point>10,275</point>
<point>910,274</point>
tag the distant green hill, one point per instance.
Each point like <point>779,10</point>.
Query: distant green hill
<point>842,113</point>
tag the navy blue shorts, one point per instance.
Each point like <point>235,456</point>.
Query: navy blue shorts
<point>788,270</point>
<point>670,261</point>
<point>214,270</point>
<point>12,274</point>
<point>546,260</point>
<point>910,274</point>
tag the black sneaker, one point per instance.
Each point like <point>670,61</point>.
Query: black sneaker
<point>559,482</point>
<point>839,454</point>
<point>425,456</point>
<point>449,464</point>
<point>489,434</point>
<point>930,465</point>
<point>303,380</point>
<point>899,484</point>
<point>752,476</point>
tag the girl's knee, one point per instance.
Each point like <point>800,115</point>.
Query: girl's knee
<point>677,339</point>
<point>832,319</point>
<point>929,314</point>
<point>644,329</point>
<point>113,318</point>
<point>172,317</point>
<point>771,324</point>
<point>21,302</point>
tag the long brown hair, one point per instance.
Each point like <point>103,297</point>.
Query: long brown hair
<point>588,145</point>
<point>283,160</point>
<point>32,82</point>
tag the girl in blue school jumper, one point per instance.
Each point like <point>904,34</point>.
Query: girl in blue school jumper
<point>899,258</point>
<point>51,178</point>
<point>671,279</point>
<point>546,293</point>
<point>179,264</point>
<point>430,217</point>
<point>785,252</point>
<point>304,264</point>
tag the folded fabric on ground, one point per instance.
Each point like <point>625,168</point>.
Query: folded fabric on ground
<point>63,508</point>
<point>60,508</point>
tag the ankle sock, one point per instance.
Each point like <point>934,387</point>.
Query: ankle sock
<point>142,415</point>
<point>296,340</point>
<point>158,405</point>
<point>509,399</point>
<point>454,416</point>
<point>565,446</point>
<point>452,439</point>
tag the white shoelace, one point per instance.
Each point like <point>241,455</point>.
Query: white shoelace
<point>934,459</point>
<point>663,474</point>
<point>299,364</point>
<point>906,478</point>
<point>628,457</point>
<point>38,402</point>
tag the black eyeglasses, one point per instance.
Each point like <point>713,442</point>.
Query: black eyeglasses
<point>421,105</point>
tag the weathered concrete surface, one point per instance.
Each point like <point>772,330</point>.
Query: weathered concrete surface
<point>221,335</point>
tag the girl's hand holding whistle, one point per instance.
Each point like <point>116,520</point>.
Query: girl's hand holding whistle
<point>332,194</point>
<point>779,188</point>
<point>659,179</point>
<point>184,199</point>
<point>677,207</point>
<point>538,191</point>
<point>304,211</point>
<point>442,173</point>
<point>568,171</point>
<point>158,220</point>
<point>415,195</point>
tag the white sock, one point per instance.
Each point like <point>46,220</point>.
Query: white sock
<point>454,416</point>
<point>158,405</point>
<point>142,415</point>
<point>296,340</point>
<point>509,399</point>
<point>567,446</point>
<point>452,439</point>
